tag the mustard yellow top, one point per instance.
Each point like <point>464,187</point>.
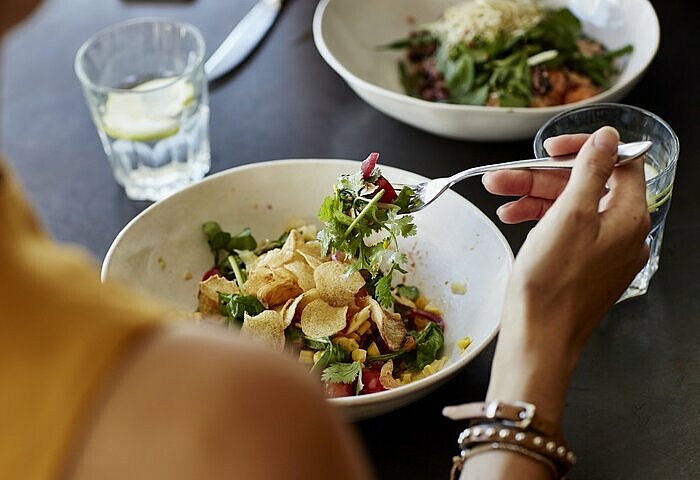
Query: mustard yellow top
<point>61,333</point>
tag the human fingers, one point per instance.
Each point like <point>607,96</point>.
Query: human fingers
<point>565,144</point>
<point>535,183</point>
<point>626,204</point>
<point>523,209</point>
<point>627,183</point>
<point>594,164</point>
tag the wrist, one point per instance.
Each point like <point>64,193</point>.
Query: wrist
<point>534,364</point>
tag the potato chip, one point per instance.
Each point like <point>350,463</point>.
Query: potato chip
<point>258,278</point>
<point>272,286</point>
<point>311,251</point>
<point>292,306</point>
<point>386,376</point>
<point>271,259</point>
<point>297,305</point>
<point>209,293</point>
<point>281,308</point>
<point>390,325</point>
<point>278,292</point>
<point>266,328</point>
<point>292,244</point>
<point>319,319</point>
<point>358,319</point>
<point>335,287</point>
<point>303,272</point>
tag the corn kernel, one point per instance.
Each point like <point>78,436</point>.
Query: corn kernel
<point>420,322</point>
<point>317,356</point>
<point>373,350</point>
<point>406,378</point>
<point>359,355</point>
<point>363,328</point>
<point>433,309</point>
<point>355,337</point>
<point>463,343</point>
<point>439,363</point>
<point>347,344</point>
<point>306,356</point>
<point>358,319</point>
<point>421,302</point>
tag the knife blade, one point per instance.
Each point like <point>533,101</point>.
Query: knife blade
<point>243,38</point>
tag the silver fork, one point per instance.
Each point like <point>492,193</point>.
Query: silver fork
<point>427,192</point>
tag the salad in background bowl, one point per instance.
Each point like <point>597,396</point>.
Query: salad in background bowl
<point>505,53</point>
<point>163,252</point>
<point>352,35</point>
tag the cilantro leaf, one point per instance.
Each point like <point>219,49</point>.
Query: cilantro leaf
<point>235,306</point>
<point>331,354</point>
<point>382,291</point>
<point>407,200</point>
<point>400,226</point>
<point>344,373</point>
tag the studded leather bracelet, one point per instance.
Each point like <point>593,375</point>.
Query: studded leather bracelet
<point>514,427</point>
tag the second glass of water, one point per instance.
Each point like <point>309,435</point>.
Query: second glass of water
<point>145,86</point>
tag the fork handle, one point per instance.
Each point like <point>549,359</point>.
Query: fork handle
<point>626,153</point>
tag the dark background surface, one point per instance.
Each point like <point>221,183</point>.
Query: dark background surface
<point>633,409</point>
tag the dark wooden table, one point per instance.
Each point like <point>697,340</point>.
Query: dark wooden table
<point>634,406</point>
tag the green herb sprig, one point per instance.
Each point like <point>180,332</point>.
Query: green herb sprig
<point>350,215</point>
<point>344,373</point>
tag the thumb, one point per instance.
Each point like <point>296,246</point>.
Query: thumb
<point>594,164</point>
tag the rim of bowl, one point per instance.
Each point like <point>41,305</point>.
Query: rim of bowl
<point>379,397</point>
<point>88,83</point>
<point>347,75</point>
<point>675,142</point>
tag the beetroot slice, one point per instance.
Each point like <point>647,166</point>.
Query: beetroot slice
<point>416,312</point>
<point>210,273</point>
<point>369,164</point>
<point>389,192</point>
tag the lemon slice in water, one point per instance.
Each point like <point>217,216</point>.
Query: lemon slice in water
<point>655,200</point>
<point>149,112</point>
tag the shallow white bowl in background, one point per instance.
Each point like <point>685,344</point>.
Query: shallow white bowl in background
<point>456,243</point>
<point>348,32</point>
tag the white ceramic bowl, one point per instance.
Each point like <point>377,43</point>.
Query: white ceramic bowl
<point>347,33</point>
<point>456,243</point>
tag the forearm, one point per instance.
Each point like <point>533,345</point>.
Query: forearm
<point>530,366</point>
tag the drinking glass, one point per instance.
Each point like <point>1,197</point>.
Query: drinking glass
<point>633,124</point>
<point>145,86</point>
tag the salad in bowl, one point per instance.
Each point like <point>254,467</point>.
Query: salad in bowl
<point>329,297</point>
<point>455,277</point>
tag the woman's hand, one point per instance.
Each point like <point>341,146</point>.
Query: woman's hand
<point>574,265</point>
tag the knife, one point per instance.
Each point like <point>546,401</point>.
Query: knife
<point>243,38</point>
